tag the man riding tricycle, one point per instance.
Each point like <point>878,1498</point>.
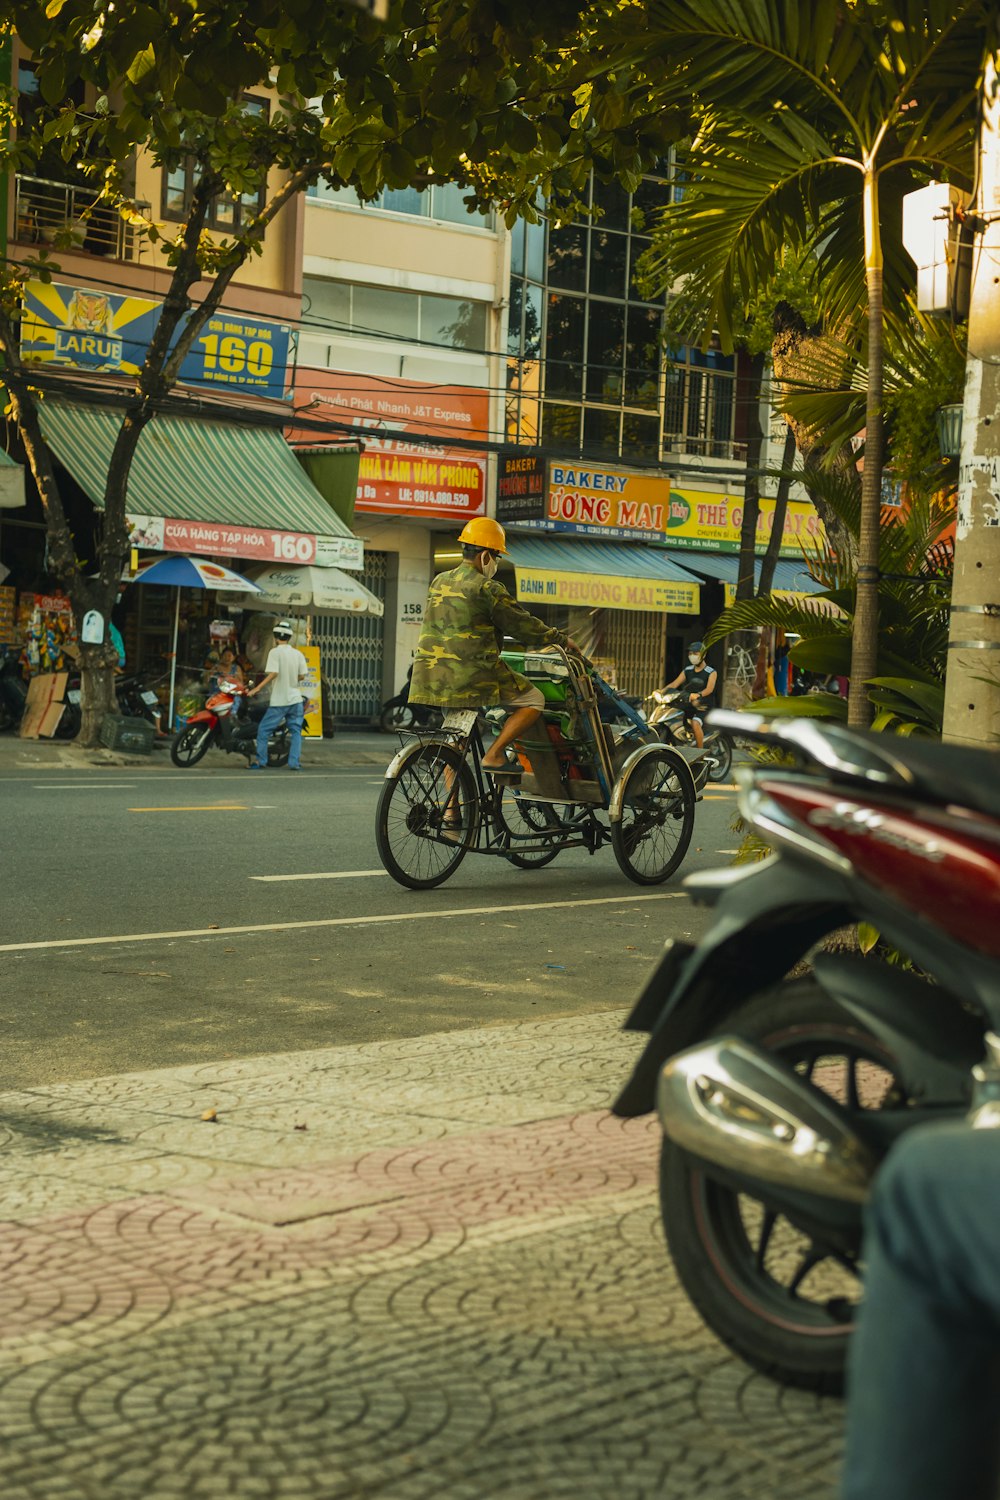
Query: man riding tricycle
<point>555,777</point>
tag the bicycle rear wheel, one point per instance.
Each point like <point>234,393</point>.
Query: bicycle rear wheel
<point>523,817</point>
<point>657,817</point>
<point>427,817</point>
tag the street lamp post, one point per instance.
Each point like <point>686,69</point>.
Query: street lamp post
<point>972,687</point>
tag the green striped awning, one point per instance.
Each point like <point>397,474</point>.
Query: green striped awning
<point>193,470</point>
<point>11,482</point>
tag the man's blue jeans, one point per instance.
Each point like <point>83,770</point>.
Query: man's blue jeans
<point>924,1376</point>
<point>291,714</point>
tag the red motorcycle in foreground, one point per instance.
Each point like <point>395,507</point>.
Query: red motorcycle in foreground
<point>779,1095</point>
<point>228,722</point>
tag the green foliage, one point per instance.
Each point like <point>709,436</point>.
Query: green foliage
<point>913,595</point>
<point>791,104</point>
<point>923,368</point>
<point>504,103</point>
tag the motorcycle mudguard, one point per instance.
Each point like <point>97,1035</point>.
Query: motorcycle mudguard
<point>768,915</point>
<point>935,1041</point>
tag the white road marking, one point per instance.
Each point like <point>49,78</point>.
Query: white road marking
<point>328,875</point>
<point>406,916</point>
<point>86,786</point>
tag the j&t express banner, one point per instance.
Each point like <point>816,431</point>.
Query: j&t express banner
<point>71,325</point>
<point>395,477</point>
<point>600,591</point>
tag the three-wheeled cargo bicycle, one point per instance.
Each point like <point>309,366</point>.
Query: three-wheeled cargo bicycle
<point>589,772</point>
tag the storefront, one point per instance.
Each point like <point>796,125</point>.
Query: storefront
<point>230,492</point>
<point>611,534</point>
<point>587,544</point>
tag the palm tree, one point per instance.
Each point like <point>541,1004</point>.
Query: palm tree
<point>906,684</point>
<point>812,122</point>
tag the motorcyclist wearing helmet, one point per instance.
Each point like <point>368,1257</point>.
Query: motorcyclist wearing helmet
<point>457,663</point>
<point>698,680</point>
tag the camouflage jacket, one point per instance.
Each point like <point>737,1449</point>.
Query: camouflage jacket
<point>457,664</point>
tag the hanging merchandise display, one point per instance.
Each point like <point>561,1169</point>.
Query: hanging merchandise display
<point>46,628</point>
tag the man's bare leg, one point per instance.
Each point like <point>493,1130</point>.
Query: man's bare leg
<point>511,729</point>
<point>699,734</point>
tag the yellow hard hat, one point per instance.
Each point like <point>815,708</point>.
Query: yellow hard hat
<point>482,531</point>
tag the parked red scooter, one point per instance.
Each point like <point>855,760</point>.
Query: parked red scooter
<point>779,1094</point>
<point>228,722</point>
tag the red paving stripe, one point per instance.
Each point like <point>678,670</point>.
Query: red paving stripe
<point>133,1261</point>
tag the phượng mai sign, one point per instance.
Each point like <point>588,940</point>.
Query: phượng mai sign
<point>604,591</point>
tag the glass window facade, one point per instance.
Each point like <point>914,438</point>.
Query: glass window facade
<point>443,201</point>
<point>587,366</point>
<point>340,307</point>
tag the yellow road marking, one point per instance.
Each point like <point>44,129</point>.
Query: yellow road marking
<point>199,807</point>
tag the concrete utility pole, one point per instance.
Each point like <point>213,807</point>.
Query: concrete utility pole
<point>972,705</point>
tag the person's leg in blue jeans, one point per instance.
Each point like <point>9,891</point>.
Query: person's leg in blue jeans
<point>924,1376</point>
<point>294,715</point>
<point>268,724</point>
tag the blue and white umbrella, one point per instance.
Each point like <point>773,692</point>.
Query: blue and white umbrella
<point>183,572</point>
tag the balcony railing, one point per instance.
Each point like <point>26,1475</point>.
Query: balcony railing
<point>71,216</point>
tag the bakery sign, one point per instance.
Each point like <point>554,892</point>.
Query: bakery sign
<point>589,500</point>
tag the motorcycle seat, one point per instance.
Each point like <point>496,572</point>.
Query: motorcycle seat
<point>946,774</point>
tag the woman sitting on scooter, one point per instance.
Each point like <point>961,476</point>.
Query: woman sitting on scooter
<point>227,668</point>
<point>698,680</point>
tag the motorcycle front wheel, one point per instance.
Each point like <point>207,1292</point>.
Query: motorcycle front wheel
<point>720,747</point>
<point>191,744</point>
<point>396,717</point>
<point>778,1294</point>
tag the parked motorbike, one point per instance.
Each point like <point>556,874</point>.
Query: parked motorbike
<point>664,713</point>
<point>400,714</point>
<point>779,1096</point>
<point>228,721</point>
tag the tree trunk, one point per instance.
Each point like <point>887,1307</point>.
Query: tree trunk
<point>97,681</point>
<point>752,394</point>
<point>780,511</point>
<point>864,645</point>
<point>751,389</point>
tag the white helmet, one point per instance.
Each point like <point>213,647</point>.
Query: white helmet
<point>284,630</point>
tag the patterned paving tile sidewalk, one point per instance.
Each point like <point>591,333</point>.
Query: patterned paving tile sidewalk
<point>429,1269</point>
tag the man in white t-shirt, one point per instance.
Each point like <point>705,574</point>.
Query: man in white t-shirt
<point>286,668</point>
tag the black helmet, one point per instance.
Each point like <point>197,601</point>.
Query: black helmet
<point>698,646</point>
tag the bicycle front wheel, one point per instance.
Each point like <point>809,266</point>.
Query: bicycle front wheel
<point>657,817</point>
<point>427,817</point>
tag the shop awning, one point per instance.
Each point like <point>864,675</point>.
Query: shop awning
<point>790,575</point>
<point>602,575</point>
<point>213,472</point>
<point>333,469</point>
<point>11,483</point>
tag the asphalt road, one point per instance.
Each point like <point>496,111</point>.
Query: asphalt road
<point>149,919</point>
